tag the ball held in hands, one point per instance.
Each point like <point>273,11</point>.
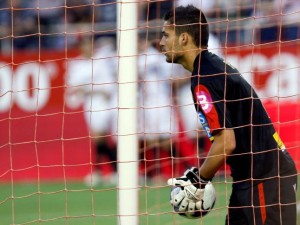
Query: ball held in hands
<point>189,200</point>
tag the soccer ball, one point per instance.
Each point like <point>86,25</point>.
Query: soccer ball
<point>207,202</point>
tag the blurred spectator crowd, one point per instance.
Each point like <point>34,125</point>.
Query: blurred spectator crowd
<point>57,24</point>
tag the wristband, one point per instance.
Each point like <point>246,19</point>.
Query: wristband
<point>204,179</point>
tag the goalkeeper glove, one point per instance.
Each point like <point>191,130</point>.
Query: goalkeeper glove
<point>196,193</point>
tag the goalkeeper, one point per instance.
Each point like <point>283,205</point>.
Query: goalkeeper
<point>242,134</point>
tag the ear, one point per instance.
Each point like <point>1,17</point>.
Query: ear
<point>184,39</point>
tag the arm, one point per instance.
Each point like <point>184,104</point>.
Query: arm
<point>197,192</point>
<point>223,145</point>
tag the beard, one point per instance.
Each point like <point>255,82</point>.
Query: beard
<point>173,58</point>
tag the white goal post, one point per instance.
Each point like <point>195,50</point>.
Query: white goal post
<point>127,116</point>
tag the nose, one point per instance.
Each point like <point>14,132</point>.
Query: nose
<point>162,43</point>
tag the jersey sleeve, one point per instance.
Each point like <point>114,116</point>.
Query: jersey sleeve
<point>212,104</point>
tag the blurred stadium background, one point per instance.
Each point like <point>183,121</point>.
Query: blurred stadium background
<point>46,148</point>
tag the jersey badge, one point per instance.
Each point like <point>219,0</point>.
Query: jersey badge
<point>204,100</point>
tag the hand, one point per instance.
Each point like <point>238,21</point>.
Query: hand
<point>190,182</point>
<point>179,201</point>
<point>193,194</point>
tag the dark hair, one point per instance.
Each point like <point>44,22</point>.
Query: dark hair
<point>191,20</point>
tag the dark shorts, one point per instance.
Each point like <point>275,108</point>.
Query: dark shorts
<point>271,202</point>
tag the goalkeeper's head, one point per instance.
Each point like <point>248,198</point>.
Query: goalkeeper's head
<point>191,20</point>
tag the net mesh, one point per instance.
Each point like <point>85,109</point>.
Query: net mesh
<point>59,104</point>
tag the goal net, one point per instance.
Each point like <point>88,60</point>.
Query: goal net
<point>94,121</point>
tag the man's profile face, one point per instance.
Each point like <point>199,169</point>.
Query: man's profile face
<point>169,44</point>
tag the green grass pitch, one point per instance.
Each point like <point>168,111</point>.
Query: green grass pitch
<point>73,203</point>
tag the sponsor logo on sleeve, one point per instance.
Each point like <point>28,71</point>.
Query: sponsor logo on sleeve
<point>205,125</point>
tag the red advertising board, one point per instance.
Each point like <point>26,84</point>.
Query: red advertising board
<point>42,138</point>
